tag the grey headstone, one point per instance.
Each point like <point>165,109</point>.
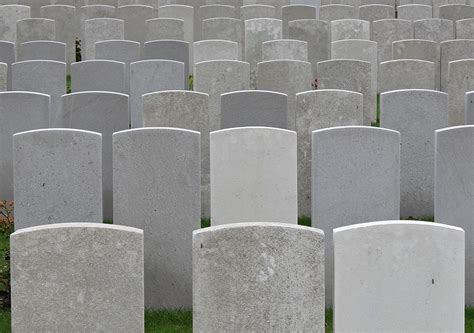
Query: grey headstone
<point>97,30</point>
<point>223,28</point>
<point>167,159</point>
<point>9,15</point>
<point>257,11</point>
<point>280,289</point>
<point>338,12</point>
<point>98,75</point>
<point>406,74</point>
<point>42,50</point>
<point>96,267</point>
<point>373,13</point>
<point>8,56</point>
<point>32,29</point>
<point>416,114</point>
<point>384,32</point>
<point>36,5</point>
<point>93,12</point>
<point>469,108</point>
<point>316,110</point>
<point>350,29</point>
<point>296,12</point>
<point>82,3</point>
<point>19,111</point>
<point>451,50</point>
<point>164,28</point>
<point>435,29</point>
<point>456,12</point>
<point>352,184</point>
<point>209,12</point>
<point>149,76</point>
<point>176,50</point>
<point>57,175</point>
<point>246,185</point>
<point>415,2</point>
<point>150,3</point>
<point>379,2</point>
<point>465,29</point>
<point>135,17</point>
<point>414,12</point>
<point>285,49</point>
<point>460,82</point>
<point>206,50</point>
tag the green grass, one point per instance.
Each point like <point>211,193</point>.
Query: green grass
<point>68,84</point>
<point>377,122</point>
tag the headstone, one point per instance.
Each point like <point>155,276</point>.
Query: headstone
<point>245,184</point>
<point>93,12</point>
<point>150,3</point>
<point>348,175</point>
<point>401,273</point>
<point>296,12</point>
<point>32,29</point>
<point>82,3</point>
<point>435,29</point>
<point>206,50</point>
<point>315,110</point>
<point>415,2</point>
<point>209,12</point>
<point>8,56</point>
<point>285,49</point>
<point>460,82</point>
<point>42,50</point>
<point>416,114</point>
<point>9,15</point>
<point>338,12</point>
<point>384,32</point>
<point>176,50</point>
<point>288,77</point>
<point>414,12</point>
<point>465,29</point>
<point>352,75</point>
<point>149,76</point>
<point>37,4</point>
<point>52,170</point>
<point>100,29</point>
<point>42,76</point>
<point>373,13</point>
<point>350,29</point>
<point>3,76</point>
<point>167,159</point>
<point>281,289</point>
<point>378,2</point>
<point>95,270</point>
<point>452,50</point>
<point>164,28</point>
<point>469,111</point>
<point>406,74</point>
<point>257,11</point>
<point>19,111</point>
<point>456,12</point>
<point>135,17</point>
<point>98,75</point>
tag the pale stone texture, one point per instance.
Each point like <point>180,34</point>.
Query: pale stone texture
<point>452,50</point>
<point>469,108</point>
<point>125,51</point>
<point>414,12</point>
<point>406,74</point>
<point>460,81</point>
<point>3,76</point>
<point>150,3</point>
<point>9,15</point>
<point>102,112</point>
<point>285,49</point>
<point>206,12</point>
<point>183,109</point>
<point>31,29</point>
<point>206,50</point>
<point>254,108</point>
<point>408,276</point>
<point>419,49</point>
<point>350,29</point>
<point>285,76</point>
<point>95,271</point>
<point>135,17</point>
<point>373,13</point>
<point>175,50</point>
<point>416,114</point>
<point>223,28</point>
<point>465,29</point>
<point>52,170</point>
<point>164,28</point>
<point>435,29</point>
<point>8,56</point>
<point>263,277</point>
<point>98,75</point>
<point>37,4</point>
<point>296,12</point>
<point>456,12</point>
<point>42,50</point>
<point>316,110</point>
<point>338,12</point>
<point>384,32</point>
<point>157,178</point>
<point>352,75</point>
<point>92,12</point>
<point>253,175</point>
<point>379,2</point>
<point>19,111</point>
<point>257,11</point>
<point>149,76</point>
<point>454,179</point>
<point>42,76</point>
<point>97,30</point>
<point>258,31</point>
<point>317,34</point>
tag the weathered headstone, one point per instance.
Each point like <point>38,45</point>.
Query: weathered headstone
<point>373,13</point>
<point>93,12</point>
<point>206,50</point>
<point>98,75</point>
<point>350,29</point>
<point>338,12</point>
<point>150,3</point>
<point>406,74</point>
<point>285,49</point>
<point>135,17</point>
<point>9,15</point>
<point>42,50</point>
<point>465,29</point>
<point>100,29</point>
<point>460,81</point>
<point>452,50</point>
<point>414,12</point>
<point>257,11</point>
<point>32,29</point>
<point>37,4</point>
<point>176,50</point>
<point>469,109</point>
<point>8,56</point>
<point>206,12</point>
<point>435,29</point>
<point>455,12</point>
<point>384,32</point>
<point>296,12</point>
<point>164,28</point>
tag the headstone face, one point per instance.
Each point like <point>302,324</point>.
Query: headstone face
<point>288,77</point>
<point>281,49</point>
<point>3,76</point>
<point>254,108</point>
<point>42,50</point>
<point>296,12</point>
<point>19,111</point>
<point>125,51</point>
<point>35,29</point>
<point>8,56</point>
<point>100,29</point>
<point>469,111</point>
<point>465,29</point>
<point>456,12</point>
<point>164,28</point>
<point>150,3</point>
<point>206,50</point>
<point>176,50</point>
<point>135,17</point>
<point>281,290</point>
<point>419,49</point>
<point>384,32</point>
<point>316,110</point>
<point>82,262</point>
<point>9,15</point>
<point>317,34</point>
<point>245,184</point>
<point>210,12</point>
<point>102,112</point>
<point>416,2</point>
<point>460,82</point>
<point>337,12</point>
<point>258,31</point>
<point>223,28</point>
<point>149,76</point>
<point>257,11</point>
<point>435,29</point>
<point>406,74</point>
<point>348,175</point>
<point>52,166</point>
<point>350,29</point>
<point>416,114</point>
<point>93,12</point>
<point>65,31</point>
<point>373,13</point>
<point>352,75</point>
<point>37,4</point>
<point>415,263</point>
<point>169,159</point>
<point>42,76</point>
<point>414,12</point>
<point>98,75</point>
<point>378,2</point>
<point>452,50</point>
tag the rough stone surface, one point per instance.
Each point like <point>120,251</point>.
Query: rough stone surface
<point>317,110</point>
<point>164,28</point>
<point>223,28</point>
<point>454,50</point>
<point>167,159</point>
<point>384,32</point>
<point>464,29</point>
<point>206,12</point>
<point>337,12</point>
<point>246,185</point>
<point>406,74</point>
<point>206,50</point>
<point>149,76</point>
<point>265,277</point>
<point>435,29</point>
<point>135,17</point>
<point>377,12</point>
<point>355,178</point>
<point>9,15</point>
<point>102,112</point>
<point>3,77</point>
<point>90,12</point>
<point>285,49</point>
<point>31,29</point>
<point>296,12</point>
<point>350,29</point>
<point>409,275</point>
<point>469,108</point>
<point>98,75</point>
<point>42,50</point>
<point>460,82</point>
<point>175,50</point>
<point>455,12</point>
<point>100,29</point>
<point>94,269</point>
<point>257,11</point>
<point>416,114</point>
<point>37,4</point>
<point>414,12</point>
<point>7,56</point>
<point>52,170</point>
